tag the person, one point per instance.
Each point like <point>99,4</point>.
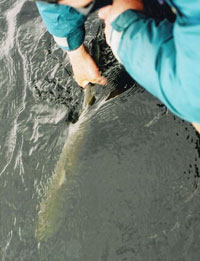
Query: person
<point>162,57</point>
<point>66,24</point>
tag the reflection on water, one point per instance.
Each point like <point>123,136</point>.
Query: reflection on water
<point>134,194</point>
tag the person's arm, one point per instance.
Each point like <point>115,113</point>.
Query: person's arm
<point>164,58</point>
<point>67,27</point>
<point>187,37</point>
<point>64,23</point>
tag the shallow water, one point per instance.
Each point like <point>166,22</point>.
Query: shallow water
<point>134,191</point>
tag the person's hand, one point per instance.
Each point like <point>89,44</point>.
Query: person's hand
<point>197,127</point>
<point>75,4</point>
<point>84,68</point>
<point>110,12</point>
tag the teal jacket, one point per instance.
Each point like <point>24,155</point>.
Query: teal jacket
<point>64,23</point>
<point>164,58</point>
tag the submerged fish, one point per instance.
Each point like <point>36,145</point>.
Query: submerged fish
<point>50,215</point>
<point>60,191</point>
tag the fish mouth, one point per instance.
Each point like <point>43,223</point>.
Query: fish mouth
<point>94,94</point>
<point>89,97</point>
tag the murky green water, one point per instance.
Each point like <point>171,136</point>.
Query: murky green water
<point>133,192</point>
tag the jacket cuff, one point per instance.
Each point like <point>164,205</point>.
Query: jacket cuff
<point>119,25</point>
<point>72,41</point>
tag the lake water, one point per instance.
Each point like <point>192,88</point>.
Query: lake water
<point>133,191</point>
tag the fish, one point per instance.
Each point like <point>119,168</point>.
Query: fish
<point>59,192</point>
<point>50,214</point>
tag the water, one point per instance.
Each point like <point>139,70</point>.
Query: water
<point>134,190</point>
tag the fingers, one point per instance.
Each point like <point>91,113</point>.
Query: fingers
<point>101,80</point>
<point>84,83</point>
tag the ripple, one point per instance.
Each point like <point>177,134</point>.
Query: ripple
<point>11,18</point>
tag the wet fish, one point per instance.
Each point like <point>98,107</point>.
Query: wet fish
<point>50,215</point>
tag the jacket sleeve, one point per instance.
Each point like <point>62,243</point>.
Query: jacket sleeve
<point>64,23</point>
<point>164,58</point>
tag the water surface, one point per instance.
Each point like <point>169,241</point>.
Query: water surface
<point>134,193</point>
